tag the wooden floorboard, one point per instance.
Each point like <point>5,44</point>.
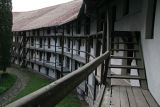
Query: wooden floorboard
<point>115,102</point>
<point>100,96</point>
<point>124,97</point>
<point>132,100</point>
<point>149,98</point>
<point>128,96</point>
<point>140,99</point>
<point>106,98</point>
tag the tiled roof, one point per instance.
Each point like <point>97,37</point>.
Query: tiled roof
<point>50,16</point>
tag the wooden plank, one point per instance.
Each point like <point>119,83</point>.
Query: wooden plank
<point>126,67</point>
<point>135,50</point>
<point>124,77</point>
<point>140,100</point>
<point>125,43</point>
<point>151,101</point>
<point>99,97</point>
<point>123,97</point>
<point>106,98</point>
<point>115,100</point>
<point>90,90</point>
<point>131,97</point>
<point>123,57</point>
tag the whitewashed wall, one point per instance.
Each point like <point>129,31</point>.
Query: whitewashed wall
<point>151,51</point>
<point>82,48</point>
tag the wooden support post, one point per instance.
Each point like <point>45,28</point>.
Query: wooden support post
<point>107,71</point>
<point>62,52</point>
<point>72,50</point>
<point>43,47</point>
<point>97,51</point>
<point>29,46</point>
<point>35,49</point>
<point>95,84</point>
<point>96,54</point>
<point>86,55</point>
<point>87,49</point>
<point>104,47</point>
<point>25,50</point>
<point>55,48</point>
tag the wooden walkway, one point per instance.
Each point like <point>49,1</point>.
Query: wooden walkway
<point>127,96</point>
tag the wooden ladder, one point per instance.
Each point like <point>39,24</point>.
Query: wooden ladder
<point>125,48</point>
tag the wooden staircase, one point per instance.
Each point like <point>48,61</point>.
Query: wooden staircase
<point>125,49</point>
<point>125,58</point>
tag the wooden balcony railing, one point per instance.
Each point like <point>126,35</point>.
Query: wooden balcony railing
<point>51,94</point>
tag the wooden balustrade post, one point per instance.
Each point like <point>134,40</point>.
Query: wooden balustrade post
<point>107,81</point>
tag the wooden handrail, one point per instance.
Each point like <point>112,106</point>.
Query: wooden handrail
<point>51,94</point>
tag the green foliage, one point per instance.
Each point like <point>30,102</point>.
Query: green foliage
<point>69,101</point>
<point>7,81</point>
<point>36,82</point>
<point>5,33</point>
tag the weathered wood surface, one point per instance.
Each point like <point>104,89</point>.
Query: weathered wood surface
<point>127,96</point>
<point>149,99</point>
<point>51,94</point>
<point>131,97</point>
<point>106,98</point>
<point>115,99</point>
<point>99,97</point>
<point>123,97</point>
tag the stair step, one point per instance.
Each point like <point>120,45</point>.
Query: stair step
<point>134,43</point>
<point>126,67</point>
<point>125,34</point>
<point>125,77</point>
<point>122,57</point>
<point>124,50</point>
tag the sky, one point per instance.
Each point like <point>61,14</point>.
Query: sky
<point>28,5</point>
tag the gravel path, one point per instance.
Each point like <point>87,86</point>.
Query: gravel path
<point>20,84</point>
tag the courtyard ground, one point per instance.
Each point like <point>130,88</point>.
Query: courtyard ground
<point>28,82</point>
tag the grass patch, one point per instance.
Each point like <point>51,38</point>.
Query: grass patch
<point>69,101</point>
<point>6,81</point>
<point>36,82</point>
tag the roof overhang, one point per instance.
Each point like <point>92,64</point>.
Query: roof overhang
<point>91,6</point>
